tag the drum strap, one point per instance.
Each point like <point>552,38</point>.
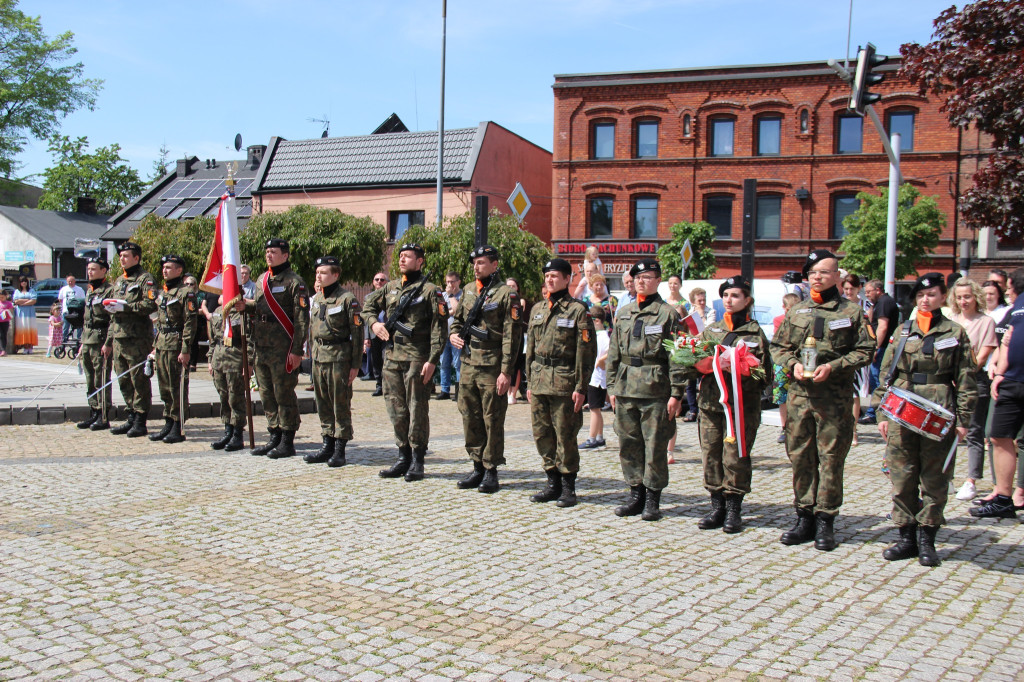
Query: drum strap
<point>819,328</point>
<point>899,351</point>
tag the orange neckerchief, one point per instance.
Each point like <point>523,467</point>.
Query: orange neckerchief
<point>727,319</point>
<point>165,286</point>
<point>640,298</point>
<point>816,297</point>
<point>479,287</point>
<point>924,321</point>
<point>404,280</point>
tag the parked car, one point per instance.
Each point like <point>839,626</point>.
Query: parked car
<point>46,293</point>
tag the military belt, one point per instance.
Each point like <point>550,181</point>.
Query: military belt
<point>333,342</point>
<point>640,362</point>
<point>98,326</point>
<point>483,345</point>
<point>172,330</point>
<point>922,378</point>
<point>552,362</point>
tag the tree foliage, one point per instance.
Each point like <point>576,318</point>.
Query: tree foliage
<point>190,239</point>
<point>102,175</point>
<point>448,246</point>
<point>38,85</point>
<point>312,232</point>
<point>919,224</point>
<point>701,236</point>
<point>161,165</point>
<point>976,59</point>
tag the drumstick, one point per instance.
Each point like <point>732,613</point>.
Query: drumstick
<point>952,451</point>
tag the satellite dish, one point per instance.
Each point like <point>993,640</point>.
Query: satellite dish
<point>238,142</point>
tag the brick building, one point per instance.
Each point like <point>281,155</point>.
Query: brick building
<point>636,152</point>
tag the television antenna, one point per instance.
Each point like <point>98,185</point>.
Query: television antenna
<point>326,123</point>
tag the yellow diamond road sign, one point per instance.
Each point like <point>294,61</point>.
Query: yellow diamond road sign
<point>519,202</point>
<point>687,253</point>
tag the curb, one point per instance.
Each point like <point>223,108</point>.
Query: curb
<point>33,415</point>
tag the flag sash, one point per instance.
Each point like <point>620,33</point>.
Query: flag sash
<point>275,307</point>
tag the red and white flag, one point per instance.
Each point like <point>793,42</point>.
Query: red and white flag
<point>693,324</point>
<point>221,276</point>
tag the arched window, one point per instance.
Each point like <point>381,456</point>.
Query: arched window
<point>687,125</point>
<point>805,122</point>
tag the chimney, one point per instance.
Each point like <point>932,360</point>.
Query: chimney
<point>184,167</point>
<point>85,205</point>
<point>254,155</point>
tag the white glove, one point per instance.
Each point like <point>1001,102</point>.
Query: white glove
<point>113,305</point>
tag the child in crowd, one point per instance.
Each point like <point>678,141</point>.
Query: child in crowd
<point>56,326</point>
<point>597,392</point>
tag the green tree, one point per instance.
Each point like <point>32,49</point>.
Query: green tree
<point>312,232</point>
<point>190,239</point>
<point>919,224</point>
<point>701,236</point>
<point>102,175</point>
<point>447,249</point>
<point>38,85</point>
<point>161,164</point>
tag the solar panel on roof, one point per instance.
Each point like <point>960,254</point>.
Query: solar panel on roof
<point>213,188</point>
<point>200,207</point>
<point>166,207</point>
<point>173,190</point>
<point>244,210</point>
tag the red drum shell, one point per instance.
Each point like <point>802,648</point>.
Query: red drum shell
<point>918,414</point>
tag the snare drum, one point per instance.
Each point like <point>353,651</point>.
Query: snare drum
<point>918,414</point>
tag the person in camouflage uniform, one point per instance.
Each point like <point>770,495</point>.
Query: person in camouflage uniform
<point>280,321</point>
<point>560,352</point>
<point>336,334</point>
<point>226,368</point>
<point>489,347</point>
<point>646,390</point>
<point>130,337</point>
<point>413,350</point>
<point>933,359</point>
<point>94,334</point>
<point>819,418</point>
<point>177,314</point>
<point>727,471</point>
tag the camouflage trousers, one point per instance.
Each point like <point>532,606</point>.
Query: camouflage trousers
<point>333,399</point>
<point>136,388</point>
<point>919,487</point>
<point>408,402</point>
<point>168,378</point>
<point>555,427</point>
<point>644,429</point>
<point>724,470</point>
<point>230,387</point>
<point>483,415</point>
<point>97,372</point>
<point>818,437</point>
<point>277,389</point>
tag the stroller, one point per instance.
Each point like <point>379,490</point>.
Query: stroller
<point>75,317</point>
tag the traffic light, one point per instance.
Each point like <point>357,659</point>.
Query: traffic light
<point>867,60</point>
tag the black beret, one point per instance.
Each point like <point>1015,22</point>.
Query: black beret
<point>816,256</point>
<point>327,260</point>
<point>171,258</point>
<point>645,265</point>
<point>102,262</point>
<point>927,281</point>
<point>735,282</point>
<point>415,248</point>
<point>277,244</point>
<point>129,246</point>
<point>558,265</point>
<point>485,250</point>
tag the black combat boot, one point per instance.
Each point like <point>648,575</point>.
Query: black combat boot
<point>162,433</point>
<point>378,391</point>
<point>824,539</point>
<point>716,517</point>
<point>927,556</point>
<point>286,448</point>
<point>802,531</point>
<point>905,547</point>
<point>101,424</point>
<point>174,435</point>
<point>474,477</point>
<point>489,483</point>
<point>138,427</point>
<point>733,514</point>
<point>568,496</point>
<point>90,420</point>
<point>415,473</point>
<point>126,426</point>
<point>219,444</point>
<point>323,454</point>
<point>275,440</point>
<point>399,468</point>
<point>552,491</point>
<point>637,499</point>
<point>338,458</point>
<point>652,512</point>
<point>236,440</point>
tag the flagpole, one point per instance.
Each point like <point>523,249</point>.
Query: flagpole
<point>230,182</point>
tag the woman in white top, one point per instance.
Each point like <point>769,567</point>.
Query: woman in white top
<point>995,300</point>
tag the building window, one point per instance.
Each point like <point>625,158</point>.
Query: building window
<point>843,205</point>
<point>400,221</point>
<point>769,217</point>
<point>721,136</point>
<point>603,141</point>
<point>850,129</point>
<point>769,135</point>
<point>645,218</point>
<point>718,212</point>
<point>646,136</point>
<point>687,125</point>
<point>601,217</point>
<point>805,121</point>
<point>902,122</point>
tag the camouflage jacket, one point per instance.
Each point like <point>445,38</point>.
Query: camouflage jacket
<point>97,319</point>
<point>225,358</point>
<point>425,319</point>
<point>560,347</point>
<point>177,313</point>
<point>137,289</point>
<point>748,332</point>
<point>336,327</point>
<point>638,364</point>
<point>289,290</point>
<point>938,366</point>
<point>496,340</point>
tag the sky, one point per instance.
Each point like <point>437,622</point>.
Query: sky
<point>190,75</point>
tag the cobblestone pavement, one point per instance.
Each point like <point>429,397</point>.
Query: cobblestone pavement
<point>125,560</point>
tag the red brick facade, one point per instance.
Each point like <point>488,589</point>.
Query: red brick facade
<point>803,179</point>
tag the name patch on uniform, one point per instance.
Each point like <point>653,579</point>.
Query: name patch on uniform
<point>277,290</point>
<point>752,344</point>
<point>491,306</point>
<point>803,311</point>
<point>538,316</point>
<point>653,329</point>
<point>134,286</point>
<point>415,301</point>
<point>840,324</point>
<point>716,329</point>
<point>335,310</point>
<point>566,323</point>
<point>946,343</point>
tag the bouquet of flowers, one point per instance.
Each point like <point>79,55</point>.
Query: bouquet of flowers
<point>692,351</point>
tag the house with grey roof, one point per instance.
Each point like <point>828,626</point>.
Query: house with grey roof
<point>46,239</point>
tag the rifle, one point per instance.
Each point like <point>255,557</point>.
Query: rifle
<point>394,322</point>
<point>469,326</point>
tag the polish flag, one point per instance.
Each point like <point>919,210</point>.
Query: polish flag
<point>221,276</point>
<point>693,324</point>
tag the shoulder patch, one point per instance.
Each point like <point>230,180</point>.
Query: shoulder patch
<point>302,301</point>
<point>515,312</point>
<point>585,333</point>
